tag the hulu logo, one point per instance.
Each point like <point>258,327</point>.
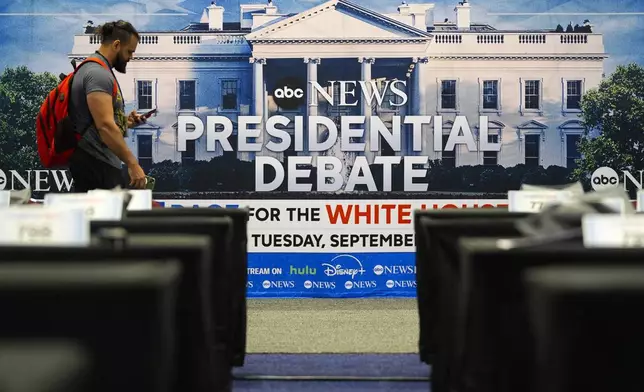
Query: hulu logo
<point>302,271</point>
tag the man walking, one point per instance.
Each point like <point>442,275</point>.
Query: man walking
<point>99,115</point>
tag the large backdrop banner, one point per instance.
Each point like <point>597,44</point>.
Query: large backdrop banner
<point>333,121</point>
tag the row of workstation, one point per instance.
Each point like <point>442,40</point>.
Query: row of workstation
<point>503,311</point>
<point>154,302</point>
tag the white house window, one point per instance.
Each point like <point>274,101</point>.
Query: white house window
<point>532,93</point>
<point>190,154</point>
<point>229,94</point>
<point>532,150</point>
<point>573,91</point>
<point>144,148</point>
<point>491,157</point>
<point>187,95</point>
<point>448,158</point>
<point>144,94</point>
<point>573,94</point>
<point>532,134</point>
<point>490,96</point>
<point>572,150</point>
<point>448,94</point>
<point>571,134</point>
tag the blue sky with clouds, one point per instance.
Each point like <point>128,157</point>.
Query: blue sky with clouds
<point>39,33</point>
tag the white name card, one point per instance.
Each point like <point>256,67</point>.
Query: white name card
<point>44,226</point>
<point>640,201</point>
<point>613,230</point>
<point>97,206</point>
<point>141,198</point>
<point>534,201</point>
<point>5,198</point>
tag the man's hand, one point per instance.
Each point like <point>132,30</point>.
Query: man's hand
<point>137,176</point>
<point>135,119</point>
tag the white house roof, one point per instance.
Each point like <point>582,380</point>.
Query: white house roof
<point>340,18</point>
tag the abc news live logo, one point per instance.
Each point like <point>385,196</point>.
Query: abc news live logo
<point>606,178</point>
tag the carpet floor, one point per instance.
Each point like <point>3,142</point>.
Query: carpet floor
<point>332,326</point>
<point>330,345</point>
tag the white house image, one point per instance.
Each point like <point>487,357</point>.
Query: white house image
<point>529,82</point>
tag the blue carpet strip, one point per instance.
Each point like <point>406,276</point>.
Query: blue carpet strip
<point>334,367</point>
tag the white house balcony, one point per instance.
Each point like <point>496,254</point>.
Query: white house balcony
<point>446,43</point>
<point>173,43</point>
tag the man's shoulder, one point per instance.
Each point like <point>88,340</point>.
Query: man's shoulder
<point>93,68</point>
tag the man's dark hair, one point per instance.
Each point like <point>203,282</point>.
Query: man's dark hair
<point>119,30</point>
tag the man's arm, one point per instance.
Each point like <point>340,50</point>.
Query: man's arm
<point>98,86</point>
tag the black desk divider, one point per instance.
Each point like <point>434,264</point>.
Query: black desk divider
<point>219,230</point>
<point>237,270</point>
<point>195,368</point>
<point>121,312</point>
<point>588,325</point>
<point>496,346</point>
<point>33,365</point>
<point>438,282</point>
<point>427,349</point>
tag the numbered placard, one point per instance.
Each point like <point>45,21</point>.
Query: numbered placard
<point>536,200</point>
<point>44,226</point>
<point>97,206</point>
<point>613,230</point>
<point>5,198</point>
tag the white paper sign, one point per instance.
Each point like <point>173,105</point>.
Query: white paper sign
<point>44,226</point>
<point>141,198</point>
<point>613,230</point>
<point>5,198</point>
<point>97,206</point>
<point>534,201</point>
<point>640,201</point>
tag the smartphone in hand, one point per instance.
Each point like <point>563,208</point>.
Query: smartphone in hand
<point>149,114</point>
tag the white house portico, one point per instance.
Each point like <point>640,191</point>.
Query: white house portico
<point>335,34</point>
<point>528,82</point>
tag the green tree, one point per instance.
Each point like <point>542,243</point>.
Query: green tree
<point>21,94</point>
<point>615,110</point>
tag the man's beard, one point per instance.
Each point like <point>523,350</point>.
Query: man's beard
<point>120,64</point>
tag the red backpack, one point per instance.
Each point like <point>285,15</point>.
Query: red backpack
<point>55,135</point>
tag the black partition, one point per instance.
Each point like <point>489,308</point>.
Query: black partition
<point>196,370</point>
<point>121,313</point>
<point>588,325</point>
<point>44,365</point>
<point>219,231</point>
<point>438,283</point>
<point>238,268</point>
<point>496,345</point>
<point>425,289</point>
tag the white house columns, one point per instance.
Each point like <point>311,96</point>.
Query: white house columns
<point>258,96</point>
<point>365,108</point>
<point>311,104</point>
<point>419,103</point>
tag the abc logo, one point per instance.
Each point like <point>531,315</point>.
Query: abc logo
<point>604,178</point>
<point>378,270</point>
<point>286,92</point>
<point>289,93</point>
<point>3,180</point>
